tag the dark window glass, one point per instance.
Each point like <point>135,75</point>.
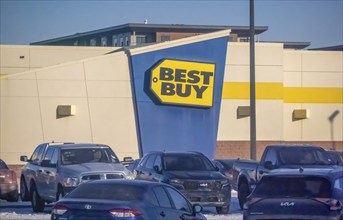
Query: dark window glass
<point>303,156</point>
<point>54,158</point>
<point>88,155</point>
<point>271,156</point>
<point>107,192</point>
<point>179,201</point>
<point>162,197</point>
<point>165,38</point>
<point>294,187</point>
<point>187,162</point>
<point>3,165</point>
<point>152,198</point>
<point>150,162</point>
<point>48,154</point>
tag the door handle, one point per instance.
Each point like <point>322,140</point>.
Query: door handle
<point>39,171</point>
<point>162,214</point>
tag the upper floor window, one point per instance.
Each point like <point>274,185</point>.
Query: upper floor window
<point>114,41</point>
<point>104,41</point>
<point>93,42</point>
<point>140,39</point>
<point>127,41</point>
<point>165,38</point>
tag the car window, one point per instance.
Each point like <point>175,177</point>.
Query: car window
<point>88,155</point>
<point>339,183</point>
<point>271,156</point>
<point>119,192</point>
<point>187,162</point>
<point>3,165</point>
<point>293,187</point>
<point>48,154</point>
<point>162,197</point>
<point>303,156</point>
<point>54,158</point>
<point>150,162</point>
<point>38,153</point>
<point>179,201</point>
<point>158,162</point>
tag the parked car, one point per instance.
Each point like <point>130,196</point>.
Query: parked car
<point>125,199</point>
<point>192,173</point>
<point>303,193</point>
<point>132,166</point>
<point>336,156</point>
<point>8,183</point>
<point>246,173</point>
<point>55,169</point>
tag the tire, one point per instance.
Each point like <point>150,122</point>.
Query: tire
<point>24,192</point>
<point>222,209</point>
<point>37,202</point>
<point>243,192</point>
<point>60,193</point>
<point>13,197</point>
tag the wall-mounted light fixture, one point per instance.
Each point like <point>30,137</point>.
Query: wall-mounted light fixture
<point>65,110</point>
<point>243,111</point>
<point>299,114</point>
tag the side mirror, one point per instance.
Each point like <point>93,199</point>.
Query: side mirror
<point>127,159</point>
<point>23,158</point>
<point>268,165</point>
<point>197,208</point>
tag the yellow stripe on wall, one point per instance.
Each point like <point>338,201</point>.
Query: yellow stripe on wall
<point>270,91</point>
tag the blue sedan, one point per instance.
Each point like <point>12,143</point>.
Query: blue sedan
<point>125,199</point>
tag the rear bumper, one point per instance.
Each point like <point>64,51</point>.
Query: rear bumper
<point>6,190</point>
<point>284,217</point>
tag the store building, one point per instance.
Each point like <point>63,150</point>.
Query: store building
<point>185,94</point>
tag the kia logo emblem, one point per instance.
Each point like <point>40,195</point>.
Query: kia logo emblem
<point>287,204</point>
<point>88,206</point>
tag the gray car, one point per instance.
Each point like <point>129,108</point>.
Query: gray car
<point>55,169</point>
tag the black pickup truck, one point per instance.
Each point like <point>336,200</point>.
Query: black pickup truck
<point>246,173</point>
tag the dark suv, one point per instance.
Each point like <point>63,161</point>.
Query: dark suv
<point>190,172</point>
<point>304,193</point>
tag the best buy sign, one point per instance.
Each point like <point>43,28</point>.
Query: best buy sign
<point>183,82</point>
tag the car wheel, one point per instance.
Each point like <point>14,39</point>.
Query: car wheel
<point>243,192</point>
<point>24,192</point>
<point>36,201</point>
<point>13,197</point>
<point>222,209</point>
<point>60,193</point>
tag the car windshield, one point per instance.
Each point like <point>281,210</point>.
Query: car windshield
<point>88,155</point>
<point>107,192</point>
<point>286,186</point>
<point>303,156</point>
<point>187,162</point>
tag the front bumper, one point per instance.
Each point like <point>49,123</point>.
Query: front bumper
<point>209,198</point>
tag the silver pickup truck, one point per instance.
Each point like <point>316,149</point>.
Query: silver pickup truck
<point>55,169</point>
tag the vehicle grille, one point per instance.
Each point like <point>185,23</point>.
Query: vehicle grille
<point>202,185</point>
<point>101,176</point>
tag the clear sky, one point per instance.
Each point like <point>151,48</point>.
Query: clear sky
<point>319,22</point>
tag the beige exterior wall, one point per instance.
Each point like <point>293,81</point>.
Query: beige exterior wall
<point>15,59</point>
<point>100,89</point>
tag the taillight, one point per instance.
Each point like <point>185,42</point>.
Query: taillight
<point>59,210</point>
<point>125,212</point>
<point>14,177</point>
<point>333,204</point>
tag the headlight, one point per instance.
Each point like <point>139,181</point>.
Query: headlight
<point>178,184</point>
<point>72,181</point>
<point>223,183</point>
